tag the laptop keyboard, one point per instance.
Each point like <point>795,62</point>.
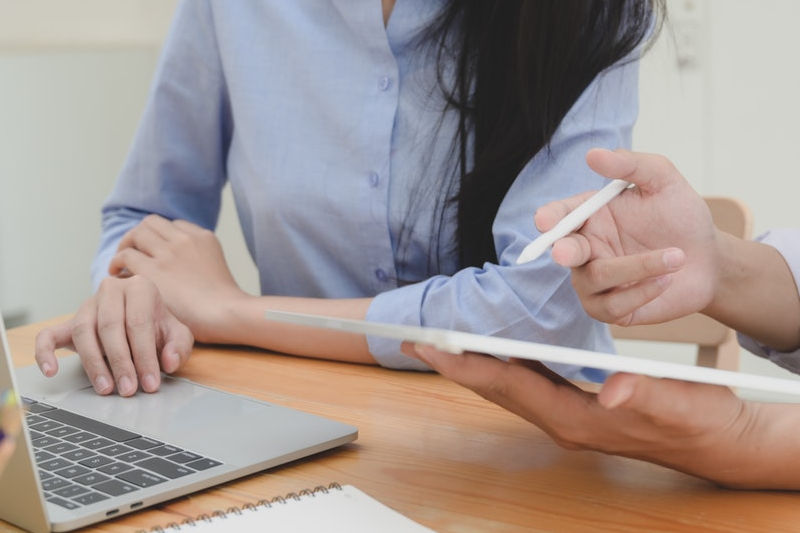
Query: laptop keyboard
<point>83,461</point>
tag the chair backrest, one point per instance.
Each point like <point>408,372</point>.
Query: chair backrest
<point>716,343</point>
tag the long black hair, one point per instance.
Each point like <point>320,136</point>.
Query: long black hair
<point>519,66</point>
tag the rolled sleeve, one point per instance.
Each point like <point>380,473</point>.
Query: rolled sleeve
<point>176,166</point>
<point>533,301</point>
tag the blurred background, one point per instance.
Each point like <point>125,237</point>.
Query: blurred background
<point>718,96</point>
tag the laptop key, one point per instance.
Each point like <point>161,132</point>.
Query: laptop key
<point>47,425</point>
<point>184,457</point>
<point>63,431</point>
<point>92,497</point>
<point>63,503</point>
<point>78,455</point>
<point>72,471</point>
<point>35,435</point>
<point>96,443</point>
<point>97,461</point>
<point>38,407</point>
<point>143,443</point>
<point>55,464</point>
<point>141,478</point>
<point>70,491</point>
<point>132,457</point>
<point>114,487</point>
<point>45,475</point>
<point>92,478</point>
<point>54,483</point>
<point>83,436</point>
<point>44,441</point>
<point>61,447</point>
<point>115,449</point>
<point>115,468</point>
<point>88,424</point>
<point>164,467</point>
<point>203,464</point>
<point>41,456</point>
<point>33,419</point>
<point>165,450</point>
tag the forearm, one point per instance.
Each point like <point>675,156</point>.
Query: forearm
<point>756,293</point>
<point>243,323</point>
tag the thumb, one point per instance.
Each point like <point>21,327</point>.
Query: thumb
<point>649,172</point>
<point>178,342</point>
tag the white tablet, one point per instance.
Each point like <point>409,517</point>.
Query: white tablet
<point>458,342</point>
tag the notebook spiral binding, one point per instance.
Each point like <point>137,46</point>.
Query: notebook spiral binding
<point>187,523</point>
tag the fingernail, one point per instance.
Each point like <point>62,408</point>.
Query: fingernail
<point>617,397</point>
<point>126,386</point>
<point>47,369</point>
<point>149,383</point>
<point>101,384</point>
<point>672,258</point>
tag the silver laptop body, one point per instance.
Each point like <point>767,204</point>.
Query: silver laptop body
<point>184,438</point>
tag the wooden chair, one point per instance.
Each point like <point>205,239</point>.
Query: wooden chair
<point>716,343</point>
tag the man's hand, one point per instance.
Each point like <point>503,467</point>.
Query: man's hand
<point>650,255</point>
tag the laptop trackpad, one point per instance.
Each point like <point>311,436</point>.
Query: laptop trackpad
<point>182,413</point>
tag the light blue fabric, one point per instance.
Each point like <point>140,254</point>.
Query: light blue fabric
<point>787,242</point>
<point>326,123</point>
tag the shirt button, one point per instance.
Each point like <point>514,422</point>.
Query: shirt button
<point>381,275</point>
<point>384,83</point>
<point>374,179</point>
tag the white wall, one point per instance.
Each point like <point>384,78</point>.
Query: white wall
<point>718,96</point>
<point>72,88</point>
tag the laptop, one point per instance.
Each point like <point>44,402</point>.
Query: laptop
<point>459,342</point>
<point>84,458</point>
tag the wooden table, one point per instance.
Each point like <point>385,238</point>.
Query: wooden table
<point>449,459</point>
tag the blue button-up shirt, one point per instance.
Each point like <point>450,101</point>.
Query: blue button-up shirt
<point>329,128</point>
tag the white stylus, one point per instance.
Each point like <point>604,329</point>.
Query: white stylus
<point>572,221</point>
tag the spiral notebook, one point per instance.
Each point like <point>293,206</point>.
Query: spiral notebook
<point>332,509</point>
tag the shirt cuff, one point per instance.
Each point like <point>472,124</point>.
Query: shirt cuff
<point>396,307</point>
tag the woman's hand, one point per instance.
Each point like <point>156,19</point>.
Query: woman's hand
<point>703,430</point>
<point>124,334</point>
<point>650,255</point>
<point>187,265</point>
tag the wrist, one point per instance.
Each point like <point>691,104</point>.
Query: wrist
<point>730,270</point>
<point>222,323</point>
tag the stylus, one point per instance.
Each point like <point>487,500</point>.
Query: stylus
<point>572,221</point>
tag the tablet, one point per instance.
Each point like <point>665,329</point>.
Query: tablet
<point>459,342</point>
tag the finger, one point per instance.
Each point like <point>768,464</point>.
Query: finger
<point>87,345</point>
<point>565,412</point>
<point>164,227</point>
<point>650,172</point>
<point>524,392</point>
<point>140,329</point>
<point>622,306</point>
<point>178,342</point>
<point>129,261</point>
<point>572,251</point>
<point>144,239</point>
<point>47,342</point>
<point>609,273</point>
<point>111,330</point>
<point>548,215</point>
